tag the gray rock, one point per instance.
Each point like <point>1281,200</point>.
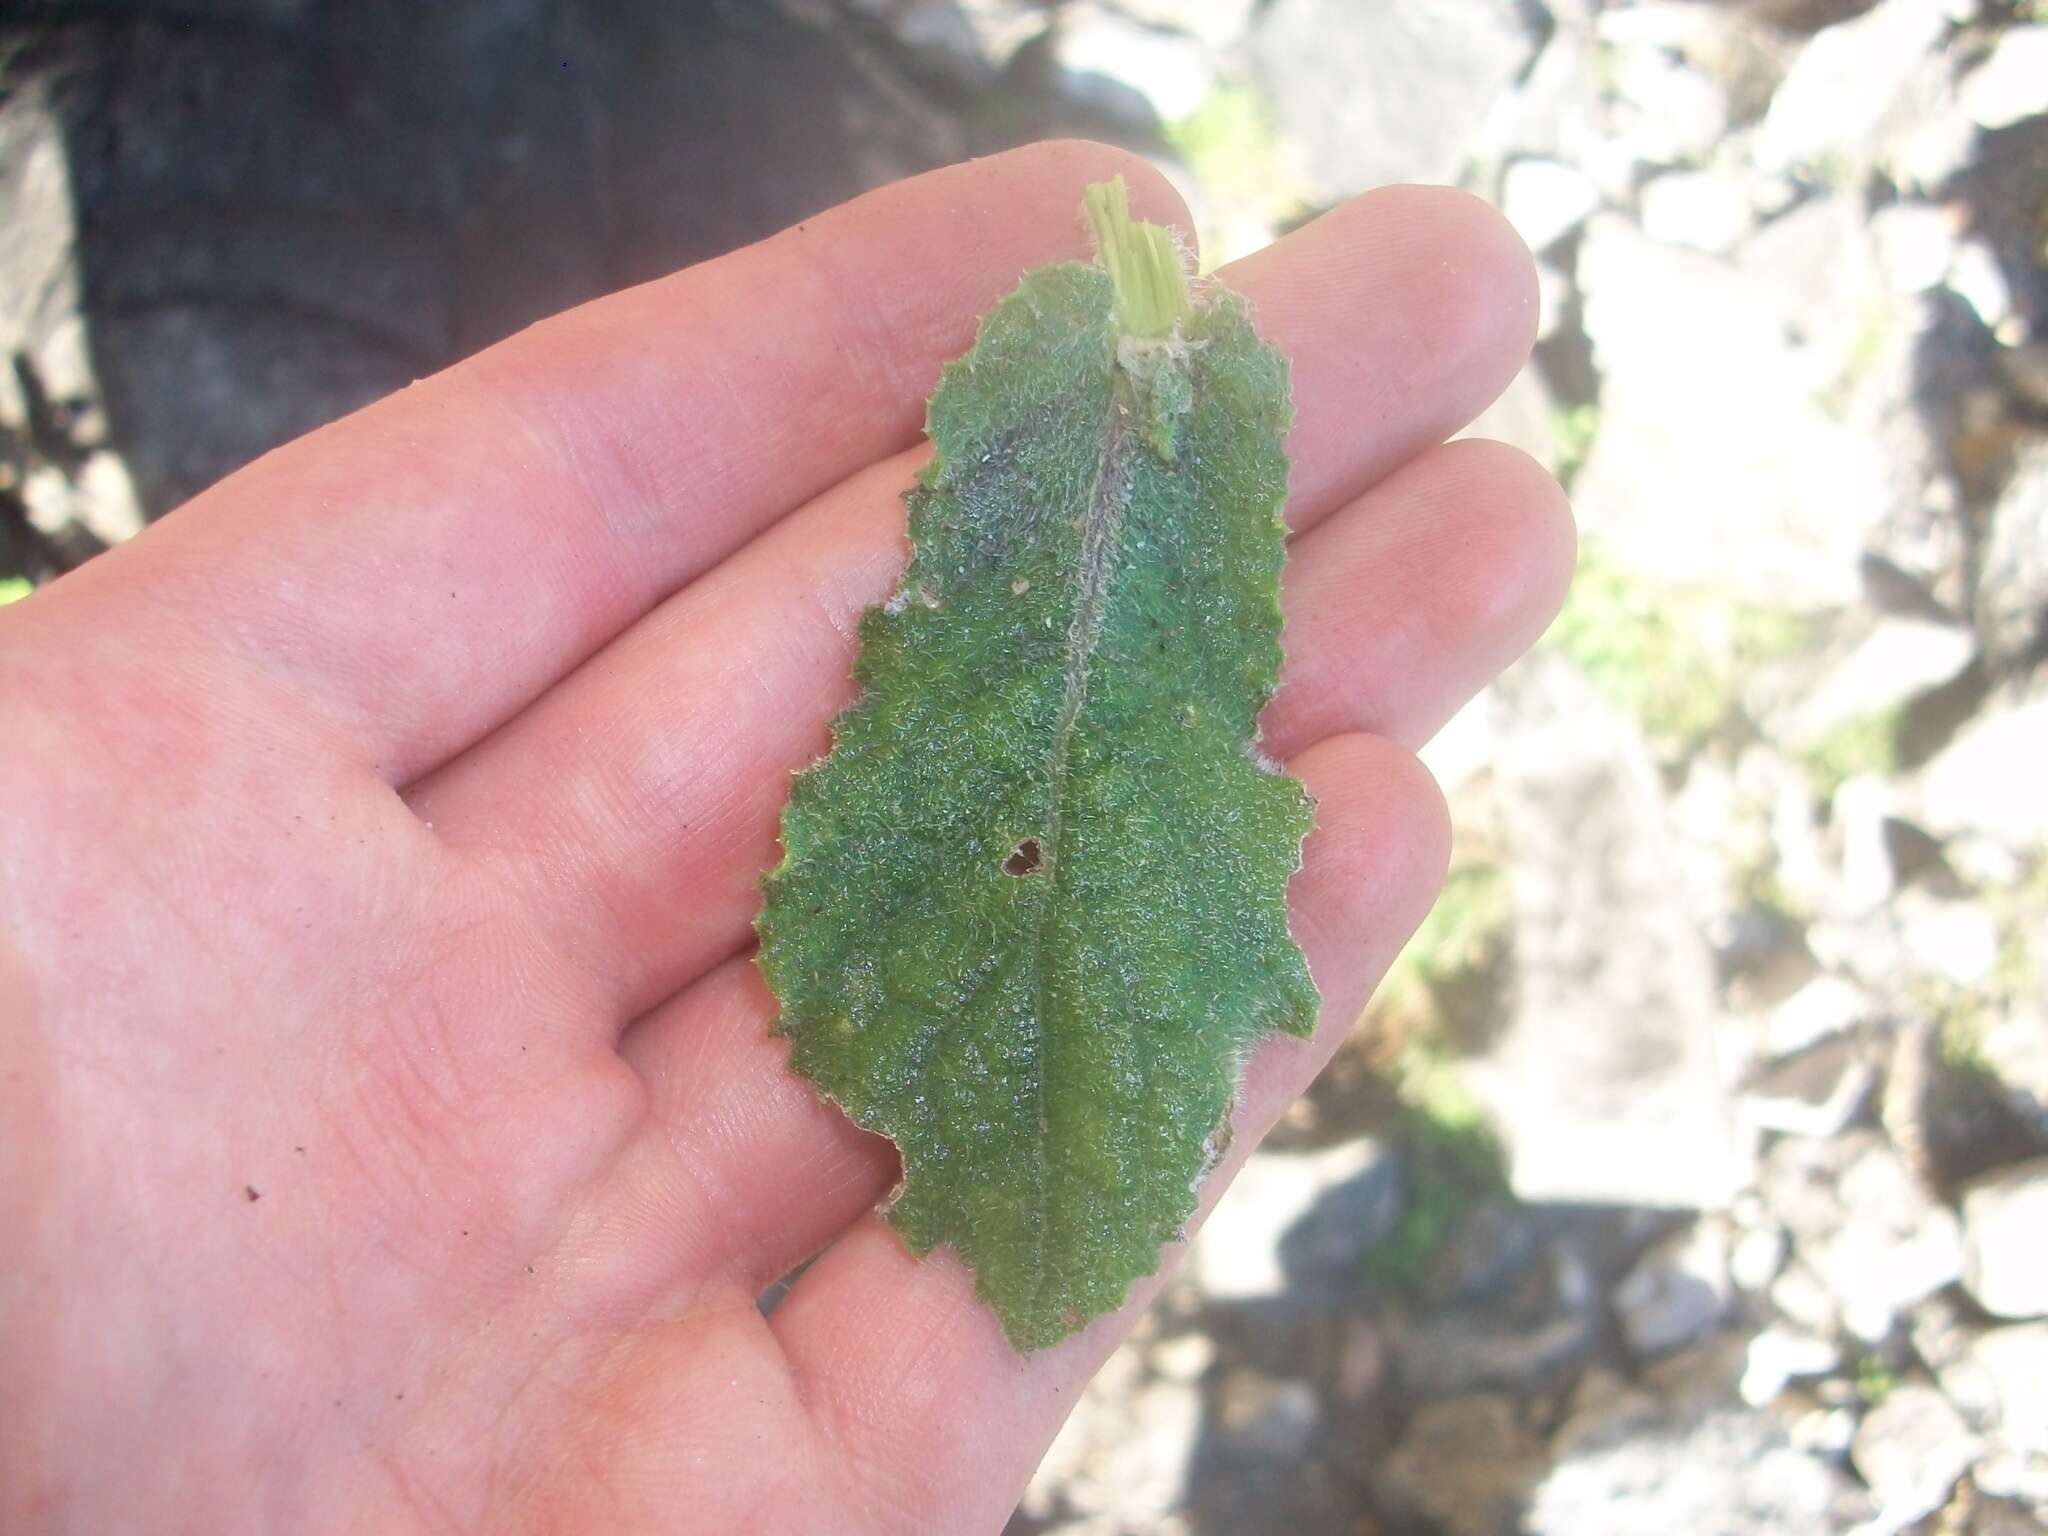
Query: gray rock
<point>1899,659</point>
<point>1465,1464</point>
<point>2005,1228</point>
<point>1462,1351</point>
<point>1778,1357</point>
<point>1824,1007</point>
<point>2011,1495</point>
<point>1546,200</point>
<point>1911,1449</point>
<point>1677,1292</point>
<point>1863,1227</point>
<point>1169,72</point>
<point>2014,1364</point>
<point>1988,779</point>
<point>1915,241</point>
<point>1870,90</point>
<point>1700,209</point>
<point>1954,940</point>
<point>1219,24</point>
<point>1815,1093</point>
<point>1755,491</point>
<point>1758,1257</point>
<point>2016,1046</point>
<point>1603,1080</point>
<point>1298,1223</point>
<point>2012,584</point>
<point>1684,1458</point>
<point>1390,92</point>
<point>1125,1450</point>
<point>1668,112</point>
<point>2012,83</point>
<point>1264,1415</point>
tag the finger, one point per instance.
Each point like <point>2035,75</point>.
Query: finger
<point>419,571</point>
<point>1404,313</point>
<point>909,1374</point>
<point>1407,604</point>
<point>661,766</point>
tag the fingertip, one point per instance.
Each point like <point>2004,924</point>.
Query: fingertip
<point>1518,557</point>
<point>1077,162</point>
<point>1405,312</point>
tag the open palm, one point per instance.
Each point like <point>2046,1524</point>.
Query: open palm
<point>391,1133</point>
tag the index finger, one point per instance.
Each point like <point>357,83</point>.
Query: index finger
<point>420,571</point>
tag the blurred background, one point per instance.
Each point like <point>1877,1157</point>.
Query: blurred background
<point>1690,1173</point>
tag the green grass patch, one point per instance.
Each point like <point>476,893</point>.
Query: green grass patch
<point>1455,1163</point>
<point>1636,644</point>
<point>1234,148</point>
<point>1668,656</point>
<point>1573,428</point>
<point>1875,1381</point>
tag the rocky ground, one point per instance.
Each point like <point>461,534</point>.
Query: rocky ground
<point>1691,1172</point>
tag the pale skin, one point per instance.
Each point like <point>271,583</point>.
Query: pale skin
<point>392,1135</point>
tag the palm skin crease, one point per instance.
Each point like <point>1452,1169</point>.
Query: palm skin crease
<point>393,1136</point>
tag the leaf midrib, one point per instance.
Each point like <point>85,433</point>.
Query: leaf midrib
<point>1108,497</point>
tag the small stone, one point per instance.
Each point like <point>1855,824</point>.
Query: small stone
<point>1824,1007</point>
<point>1266,1415</point>
<point>1627,1107</point>
<point>1778,1357</point>
<point>1465,1463</point>
<point>1185,1358</point>
<point>1171,72</point>
<point>1296,1222</point>
<point>1836,98</point>
<point>1457,1353</point>
<point>1989,778</point>
<point>1898,660</point>
<point>2012,583</point>
<point>1975,277</point>
<point>1395,91</point>
<point>1757,1257</point>
<point>2005,1228</point>
<point>1915,242</point>
<point>2014,1361</point>
<point>1800,1296</point>
<point>1824,1432</point>
<point>1684,1460</point>
<point>1956,940</point>
<point>2016,1046</point>
<point>1125,1451</point>
<point>1218,24</point>
<point>1911,1448</point>
<point>1672,113</point>
<point>1546,200</point>
<point>2012,84</point>
<point>2023,1480</point>
<point>1816,1093</point>
<point>1695,208</point>
<point>1863,1227</point>
<point>1677,1292</point>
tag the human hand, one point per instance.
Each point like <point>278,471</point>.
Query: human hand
<point>391,1133</point>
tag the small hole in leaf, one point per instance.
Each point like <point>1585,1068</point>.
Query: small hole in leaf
<point>1023,859</point>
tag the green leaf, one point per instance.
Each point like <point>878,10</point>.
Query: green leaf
<point>1031,915</point>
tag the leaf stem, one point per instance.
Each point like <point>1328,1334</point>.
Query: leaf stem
<point>1142,261</point>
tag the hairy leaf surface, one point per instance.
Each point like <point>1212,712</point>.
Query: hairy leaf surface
<point>1031,915</point>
